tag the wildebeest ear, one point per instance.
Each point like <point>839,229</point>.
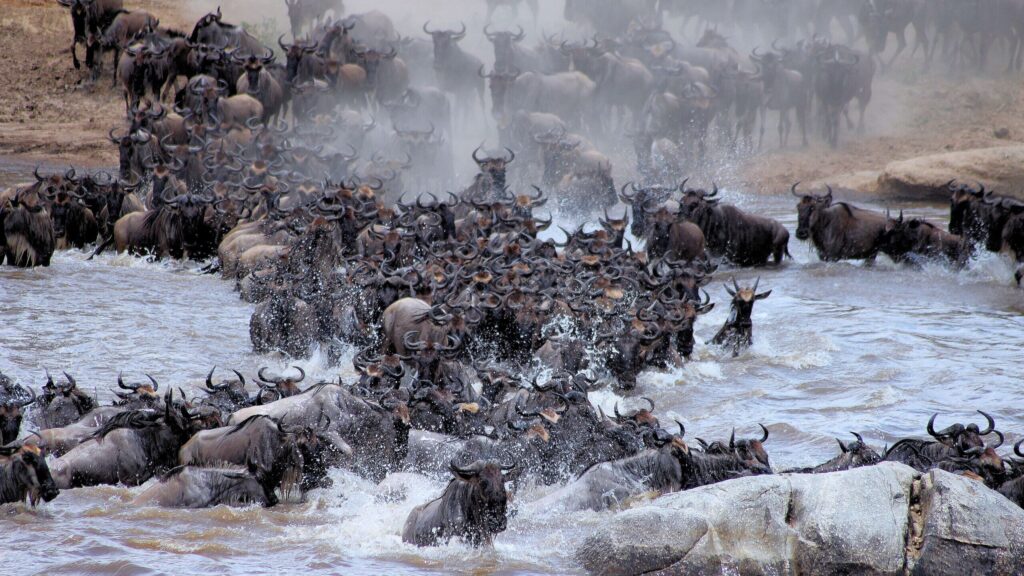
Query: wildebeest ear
<point>763,295</point>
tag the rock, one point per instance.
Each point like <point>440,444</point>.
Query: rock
<point>852,522</point>
<point>1000,168</point>
<point>1002,133</point>
<point>967,529</point>
<point>736,527</point>
<point>851,185</point>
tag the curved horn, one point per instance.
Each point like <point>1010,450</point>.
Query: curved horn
<point>765,430</point>
<point>991,424</point>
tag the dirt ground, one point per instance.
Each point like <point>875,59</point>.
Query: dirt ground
<point>48,112</point>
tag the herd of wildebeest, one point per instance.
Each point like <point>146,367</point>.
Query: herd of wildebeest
<point>451,298</point>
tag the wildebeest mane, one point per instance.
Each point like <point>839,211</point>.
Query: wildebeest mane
<point>134,419</point>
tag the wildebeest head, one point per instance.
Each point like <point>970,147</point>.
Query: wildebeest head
<point>482,484</point>
<point>445,41</point>
<point>751,451</point>
<point>504,46</point>
<point>138,395</point>
<point>232,391</point>
<point>809,206</point>
<point>743,302</point>
<point>283,386</point>
<point>630,350</point>
<point>696,203</point>
<point>78,16</point>
<point>253,67</point>
<point>30,473</point>
<point>63,404</point>
<point>494,166</point>
<point>873,17</point>
<point>858,453</point>
<point>643,200</point>
<point>963,438</point>
<point>11,414</point>
<point>500,83</point>
<point>962,203</point>
<point>294,54</point>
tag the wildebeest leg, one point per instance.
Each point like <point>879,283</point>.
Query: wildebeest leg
<point>117,59</point>
<point>783,127</point>
<point>801,120</point>
<point>901,45</point>
<point>534,9</point>
<point>74,54</point>
<point>862,102</point>
<point>920,40</point>
<point>760,141</point>
<point>1014,50</point>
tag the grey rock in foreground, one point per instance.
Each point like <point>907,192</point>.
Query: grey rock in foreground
<point>864,521</point>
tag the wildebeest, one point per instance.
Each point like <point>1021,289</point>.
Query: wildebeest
<point>258,82</point>
<point>28,234</point>
<point>25,475</point>
<point>842,75</point>
<point>879,18</point>
<point>473,507</point>
<point>195,487</point>
<point>63,404</point>
<point>953,441</point>
<point>11,415</point>
<point>302,13</point>
<point>89,17</point>
<point>456,69</point>
<point>916,238</point>
<point>784,90</point>
<point>743,239</point>
<point>738,329</point>
<point>567,95</point>
<point>129,449</point>
<point>838,230</point>
<point>212,30</point>
<point>852,455</point>
<point>258,442</point>
<point>655,471</point>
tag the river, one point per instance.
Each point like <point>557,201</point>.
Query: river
<point>837,348</point>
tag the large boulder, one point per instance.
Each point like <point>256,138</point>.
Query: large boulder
<point>966,529</point>
<point>885,520</point>
<point>849,522</point>
<point>925,178</point>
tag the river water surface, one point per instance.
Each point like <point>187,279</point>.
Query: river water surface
<point>838,347</point>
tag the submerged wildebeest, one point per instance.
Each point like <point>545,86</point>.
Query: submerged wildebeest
<point>474,507</point>
<point>195,487</point>
<point>25,475</point>
<point>63,404</point>
<point>953,441</point>
<point>852,455</point>
<point>739,328</point>
<point>129,448</point>
<point>11,415</point>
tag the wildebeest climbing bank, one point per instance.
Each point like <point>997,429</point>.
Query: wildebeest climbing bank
<point>508,286</point>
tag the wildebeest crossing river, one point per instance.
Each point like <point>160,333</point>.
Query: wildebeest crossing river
<point>837,348</point>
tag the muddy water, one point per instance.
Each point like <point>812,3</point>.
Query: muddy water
<point>838,347</point>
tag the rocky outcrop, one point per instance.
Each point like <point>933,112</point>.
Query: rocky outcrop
<point>1000,168</point>
<point>884,519</point>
